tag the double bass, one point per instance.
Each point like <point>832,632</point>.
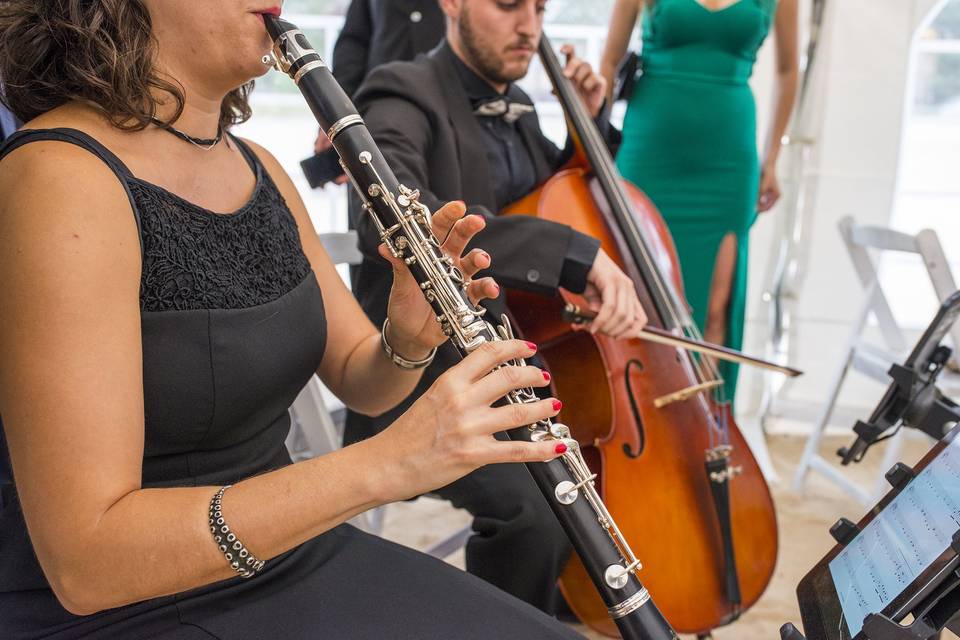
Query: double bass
<point>652,419</point>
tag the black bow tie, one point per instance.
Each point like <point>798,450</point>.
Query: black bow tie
<point>502,107</point>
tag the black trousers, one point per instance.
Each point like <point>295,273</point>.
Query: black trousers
<point>518,544</point>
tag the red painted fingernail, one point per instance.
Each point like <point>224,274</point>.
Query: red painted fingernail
<point>531,346</point>
<point>560,448</point>
<point>546,375</point>
<point>557,405</point>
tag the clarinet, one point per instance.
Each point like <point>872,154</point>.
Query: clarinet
<point>404,226</point>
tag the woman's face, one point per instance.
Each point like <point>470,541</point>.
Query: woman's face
<point>217,44</point>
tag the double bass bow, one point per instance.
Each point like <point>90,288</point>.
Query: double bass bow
<point>651,418</point>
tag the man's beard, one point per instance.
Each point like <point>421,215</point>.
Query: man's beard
<point>486,62</point>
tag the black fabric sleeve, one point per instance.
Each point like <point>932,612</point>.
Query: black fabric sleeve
<point>352,50</point>
<point>581,252</point>
<point>402,132</point>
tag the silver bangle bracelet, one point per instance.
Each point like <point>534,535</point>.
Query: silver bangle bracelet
<point>240,559</point>
<point>399,360</point>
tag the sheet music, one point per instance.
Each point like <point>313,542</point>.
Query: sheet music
<point>901,541</point>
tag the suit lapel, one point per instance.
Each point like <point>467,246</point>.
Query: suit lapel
<point>475,184</point>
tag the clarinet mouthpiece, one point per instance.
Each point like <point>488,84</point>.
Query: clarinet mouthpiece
<point>276,26</point>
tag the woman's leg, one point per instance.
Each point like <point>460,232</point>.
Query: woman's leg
<point>721,287</point>
<point>348,584</point>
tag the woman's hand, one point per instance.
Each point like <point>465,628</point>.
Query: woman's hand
<point>448,432</point>
<point>769,189</point>
<point>414,329</point>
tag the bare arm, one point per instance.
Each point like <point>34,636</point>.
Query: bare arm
<point>71,394</point>
<point>622,22</point>
<point>72,405</point>
<point>785,94</point>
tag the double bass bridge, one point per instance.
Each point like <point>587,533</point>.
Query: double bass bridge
<point>685,394</point>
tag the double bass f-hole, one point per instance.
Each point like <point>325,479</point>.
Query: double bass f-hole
<point>635,409</point>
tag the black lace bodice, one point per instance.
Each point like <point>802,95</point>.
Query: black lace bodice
<point>194,258</point>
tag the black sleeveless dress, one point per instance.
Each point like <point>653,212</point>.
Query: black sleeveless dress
<point>233,326</point>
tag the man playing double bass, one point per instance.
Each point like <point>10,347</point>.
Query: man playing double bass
<point>453,125</point>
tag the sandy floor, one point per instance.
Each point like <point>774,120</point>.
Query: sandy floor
<point>804,521</point>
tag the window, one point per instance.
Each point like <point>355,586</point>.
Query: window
<point>928,190</point>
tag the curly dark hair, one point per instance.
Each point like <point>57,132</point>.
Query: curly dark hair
<point>99,52</point>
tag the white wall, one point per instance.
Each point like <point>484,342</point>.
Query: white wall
<point>865,57</point>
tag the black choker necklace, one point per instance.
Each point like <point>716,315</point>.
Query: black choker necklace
<point>203,143</point>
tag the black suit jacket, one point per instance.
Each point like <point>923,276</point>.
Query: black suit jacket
<point>422,121</point>
<point>379,31</point>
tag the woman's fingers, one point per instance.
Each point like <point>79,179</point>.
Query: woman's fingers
<point>497,451</point>
<point>482,289</point>
<point>396,263</point>
<point>476,260</point>
<point>445,218</point>
<point>497,384</point>
<point>512,416</point>
<point>487,356</point>
<point>461,233</point>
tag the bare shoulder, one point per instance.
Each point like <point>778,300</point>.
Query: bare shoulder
<point>267,158</point>
<point>283,181</point>
<point>60,200</point>
<point>52,182</point>
<point>273,166</point>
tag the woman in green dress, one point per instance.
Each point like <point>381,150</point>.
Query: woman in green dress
<point>690,141</point>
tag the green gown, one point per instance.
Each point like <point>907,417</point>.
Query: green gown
<point>690,141</point>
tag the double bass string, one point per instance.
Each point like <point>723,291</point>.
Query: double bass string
<point>704,368</point>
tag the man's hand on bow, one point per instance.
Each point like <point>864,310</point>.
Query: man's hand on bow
<point>612,295</point>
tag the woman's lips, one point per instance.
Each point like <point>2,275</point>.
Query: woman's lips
<point>273,11</point>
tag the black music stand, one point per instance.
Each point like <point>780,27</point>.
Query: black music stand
<point>933,598</point>
<point>913,399</point>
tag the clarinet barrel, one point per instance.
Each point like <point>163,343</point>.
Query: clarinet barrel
<point>404,226</point>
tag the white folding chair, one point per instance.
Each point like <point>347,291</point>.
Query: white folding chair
<point>868,358</point>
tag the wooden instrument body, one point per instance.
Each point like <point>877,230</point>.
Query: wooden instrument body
<point>661,499</point>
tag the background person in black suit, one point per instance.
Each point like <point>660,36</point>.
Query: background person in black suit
<point>376,32</point>
<point>428,118</point>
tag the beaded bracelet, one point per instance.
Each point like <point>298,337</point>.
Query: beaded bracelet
<point>241,560</point>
